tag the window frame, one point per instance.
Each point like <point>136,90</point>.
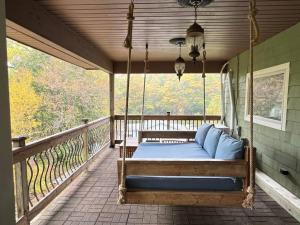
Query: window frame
<point>271,71</point>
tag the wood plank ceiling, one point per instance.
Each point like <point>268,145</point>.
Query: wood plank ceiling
<point>156,21</point>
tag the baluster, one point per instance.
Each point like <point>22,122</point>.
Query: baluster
<point>120,130</point>
<point>22,190</point>
<point>136,128</point>
<point>85,141</point>
<point>112,131</point>
<point>130,133</point>
<point>128,127</point>
<point>116,130</point>
<point>168,120</point>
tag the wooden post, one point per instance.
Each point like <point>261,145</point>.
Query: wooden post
<point>85,141</point>
<point>21,183</point>
<point>7,203</point>
<point>112,109</point>
<point>168,120</point>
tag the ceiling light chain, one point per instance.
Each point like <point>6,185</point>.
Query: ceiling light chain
<point>204,61</point>
<point>179,49</point>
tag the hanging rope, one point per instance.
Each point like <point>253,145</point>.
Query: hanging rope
<point>204,76</point>
<point>127,44</point>
<point>146,70</point>
<point>254,35</point>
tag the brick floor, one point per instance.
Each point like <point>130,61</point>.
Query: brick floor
<point>92,200</point>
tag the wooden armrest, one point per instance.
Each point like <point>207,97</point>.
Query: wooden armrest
<point>184,167</point>
<point>165,134</point>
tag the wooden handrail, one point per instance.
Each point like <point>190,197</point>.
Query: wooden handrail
<point>51,163</point>
<point>160,122</point>
<point>35,147</point>
<point>170,117</point>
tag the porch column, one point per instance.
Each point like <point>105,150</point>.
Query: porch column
<point>7,203</point>
<point>112,108</point>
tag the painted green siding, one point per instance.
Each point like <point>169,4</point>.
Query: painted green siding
<point>275,148</point>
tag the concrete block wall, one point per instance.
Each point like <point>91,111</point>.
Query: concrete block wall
<point>275,149</point>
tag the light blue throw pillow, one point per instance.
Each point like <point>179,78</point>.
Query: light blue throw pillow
<point>201,133</point>
<point>212,140</point>
<point>229,148</point>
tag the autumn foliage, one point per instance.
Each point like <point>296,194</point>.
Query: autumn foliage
<point>48,95</point>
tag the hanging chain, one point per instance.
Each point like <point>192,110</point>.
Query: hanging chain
<point>254,35</point>
<point>204,88</point>
<point>146,61</point>
<point>179,49</point>
<point>146,70</point>
<point>127,44</point>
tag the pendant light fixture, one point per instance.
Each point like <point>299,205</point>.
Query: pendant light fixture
<point>179,65</point>
<point>195,33</point>
<point>195,38</point>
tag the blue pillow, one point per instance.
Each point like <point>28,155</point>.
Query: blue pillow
<point>201,133</point>
<point>229,148</point>
<point>212,140</point>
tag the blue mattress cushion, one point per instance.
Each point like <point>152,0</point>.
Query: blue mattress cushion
<point>201,133</point>
<point>229,148</point>
<point>212,140</point>
<point>170,151</point>
<point>184,183</point>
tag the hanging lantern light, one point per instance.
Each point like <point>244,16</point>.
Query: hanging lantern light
<point>195,38</point>
<point>194,53</point>
<point>179,65</point>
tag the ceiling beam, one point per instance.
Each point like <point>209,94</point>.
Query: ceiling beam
<point>31,24</point>
<point>168,67</point>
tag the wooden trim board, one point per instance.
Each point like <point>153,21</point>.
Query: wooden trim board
<point>184,167</point>
<point>225,199</point>
<point>282,196</point>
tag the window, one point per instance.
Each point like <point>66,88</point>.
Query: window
<point>270,93</point>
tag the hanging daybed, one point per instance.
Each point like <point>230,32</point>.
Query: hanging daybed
<point>185,173</point>
<point>213,170</point>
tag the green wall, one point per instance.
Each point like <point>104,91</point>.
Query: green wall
<point>275,148</point>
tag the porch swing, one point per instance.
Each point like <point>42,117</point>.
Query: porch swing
<point>172,174</point>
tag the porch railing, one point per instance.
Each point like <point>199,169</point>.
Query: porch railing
<point>159,122</point>
<point>44,168</point>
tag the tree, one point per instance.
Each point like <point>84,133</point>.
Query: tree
<point>24,103</point>
<point>53,95</point>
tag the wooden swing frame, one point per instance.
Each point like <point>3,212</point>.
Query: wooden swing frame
<point>186,167</point>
